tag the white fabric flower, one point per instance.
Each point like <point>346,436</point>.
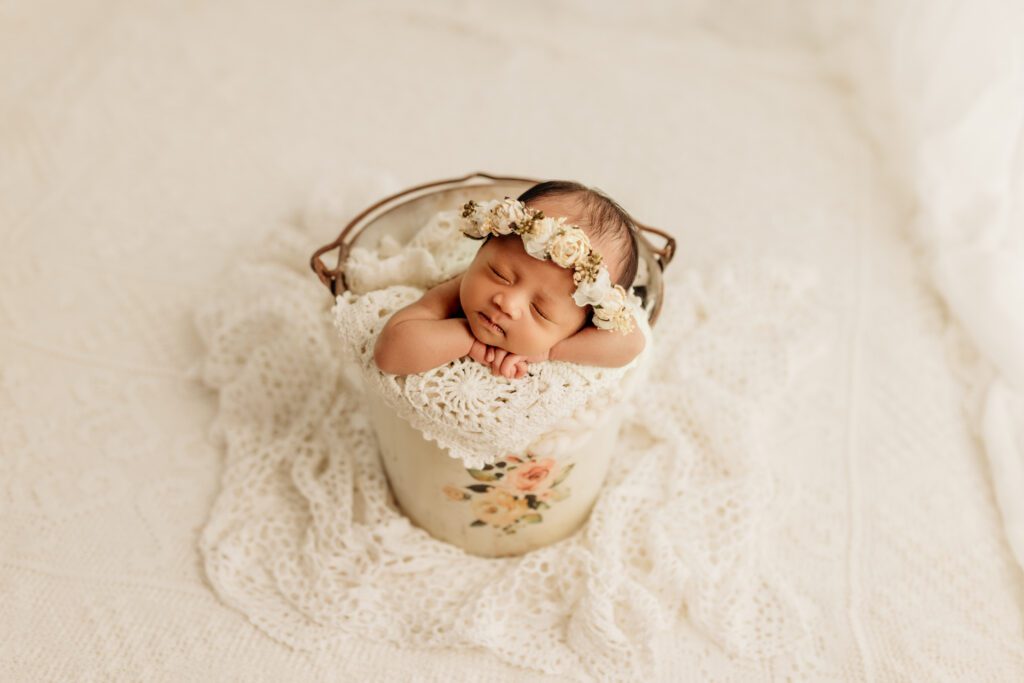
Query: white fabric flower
<point>613,312</point>
<point>633,302</point>
<point>473,228</point>
<point>592,293</point>
<point>499,223</point>
<point>614,298</point>
<point>537,240</point>
<point>473,223</point>
<point>569,247</point>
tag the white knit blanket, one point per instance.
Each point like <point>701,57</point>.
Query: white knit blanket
<point>304,541</point>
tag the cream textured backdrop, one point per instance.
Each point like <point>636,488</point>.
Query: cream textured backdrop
<point>143,146</point>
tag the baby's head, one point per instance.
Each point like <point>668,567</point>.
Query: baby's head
<point>529,301</point>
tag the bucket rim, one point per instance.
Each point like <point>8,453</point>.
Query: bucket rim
<point>334,278</point>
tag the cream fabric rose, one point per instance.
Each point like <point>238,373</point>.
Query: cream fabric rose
<point>497,220</point>
<point>612,312</point>
<point>502,229</point>
<point>569,246</point>
<point>620,320</point>
<point>514,211</point>
<point>487,218</point>
<point>536,241</point>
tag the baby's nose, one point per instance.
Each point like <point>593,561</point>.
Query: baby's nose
<point>507,305</point>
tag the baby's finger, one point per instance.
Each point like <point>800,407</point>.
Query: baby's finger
<point>477,351</point>
<point>520,369</point>
<point>508,365</point>
<point>499,356</point>
<point>490,354</point>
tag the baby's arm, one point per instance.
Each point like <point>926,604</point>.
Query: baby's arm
<point>422,335</point>
<point>603,348</point>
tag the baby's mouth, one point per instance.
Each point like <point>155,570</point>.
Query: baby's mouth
<point>491,325</point>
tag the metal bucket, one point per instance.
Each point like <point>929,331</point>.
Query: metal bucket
<point>524,501</point>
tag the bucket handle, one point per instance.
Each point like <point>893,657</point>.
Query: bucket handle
<point>333,277</point>
<point>663,255</point>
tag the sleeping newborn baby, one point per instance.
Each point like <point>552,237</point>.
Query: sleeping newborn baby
<point>550,282</point>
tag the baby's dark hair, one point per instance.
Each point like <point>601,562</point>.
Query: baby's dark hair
<point>602,217</point>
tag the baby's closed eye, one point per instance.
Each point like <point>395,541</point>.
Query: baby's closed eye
<point>533,305</point>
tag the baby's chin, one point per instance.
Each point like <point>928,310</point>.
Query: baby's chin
<point>485,335</point>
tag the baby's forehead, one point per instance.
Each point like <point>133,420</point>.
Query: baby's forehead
<point>509,251</point>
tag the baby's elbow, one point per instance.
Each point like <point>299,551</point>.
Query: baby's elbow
<point>633,345</point>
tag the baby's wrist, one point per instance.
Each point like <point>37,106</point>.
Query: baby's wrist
<point>470,339</point>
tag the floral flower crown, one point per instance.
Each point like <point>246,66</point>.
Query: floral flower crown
<point>567,245</point>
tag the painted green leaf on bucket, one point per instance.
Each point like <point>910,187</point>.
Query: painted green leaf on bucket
<point>480,475</point>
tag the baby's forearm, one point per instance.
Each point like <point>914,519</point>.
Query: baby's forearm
<point>414,346</point>
<point>602,348</point>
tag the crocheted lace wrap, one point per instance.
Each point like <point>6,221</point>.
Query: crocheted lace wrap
<point>304,540</point>
<point>461,405</point>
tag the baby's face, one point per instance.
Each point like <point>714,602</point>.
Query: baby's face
<point>528,301</point>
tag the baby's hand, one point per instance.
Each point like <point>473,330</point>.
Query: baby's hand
<point>512,365</point>
<point>484,354</point>
<point>508,365</point>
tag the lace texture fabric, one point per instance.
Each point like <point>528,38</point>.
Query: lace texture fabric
<point>436,252</point>
<point>473,414</point>
<point>305,540</point>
